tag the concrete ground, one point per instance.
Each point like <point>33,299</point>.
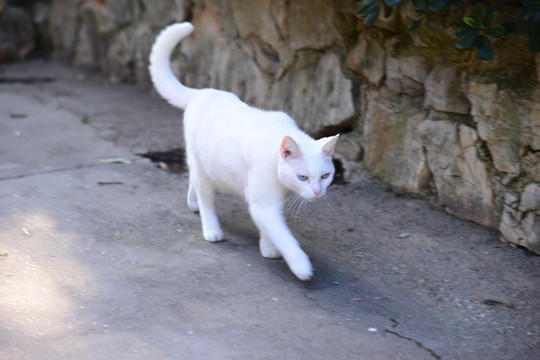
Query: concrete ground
<point>100,258</point>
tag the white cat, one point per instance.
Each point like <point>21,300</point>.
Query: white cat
<point>232,147</point>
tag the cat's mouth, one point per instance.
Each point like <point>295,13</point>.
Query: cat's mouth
<point>312,198</point>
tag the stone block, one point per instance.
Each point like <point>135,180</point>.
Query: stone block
<point>16,34</point>
<point>443,91</point>
<point>121,56</point>
<point>264,25</point>
<point>348,148</point>
<point>520,224</point>
<point>530,198</point>
<point>349,154</point>
<point>406,75</point>
<point>318,97</point>
<point>367,58</point>
<point>500,131</point>
<point>311,25</point>
<point>124,12</point>
<point>159,13</point>
<point>392,147</point>
<point>461,178</point>
<point>63,24</point>
<point>507,122</point>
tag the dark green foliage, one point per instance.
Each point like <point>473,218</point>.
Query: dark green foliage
<point>531,23</point>
<point>370,9</point>
<point>476,30</point>
<point>434,5</point>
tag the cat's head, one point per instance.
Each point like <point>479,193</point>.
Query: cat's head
<point>307,169</point>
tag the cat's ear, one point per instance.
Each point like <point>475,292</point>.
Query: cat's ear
<point>329,145</point>
<point>289,149</point>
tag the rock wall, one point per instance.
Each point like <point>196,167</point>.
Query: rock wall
<point>415,112</point>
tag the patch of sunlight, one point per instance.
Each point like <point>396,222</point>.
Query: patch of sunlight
<point>39,277</point>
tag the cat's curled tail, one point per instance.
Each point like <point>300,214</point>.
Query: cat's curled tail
<point>163,78</point>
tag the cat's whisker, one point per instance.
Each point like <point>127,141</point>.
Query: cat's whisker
<point>294,206</point>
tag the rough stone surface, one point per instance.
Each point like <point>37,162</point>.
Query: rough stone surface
<point>391,130</point>
<point>520,222</point>
<point>316,108</point>
<point>311,58</point>
<point>16,34</point>
<point>349,153</point>
<point>406,75</point>
<point>443,91</point>
<point>461,178</point>
<point>498,126</point>
<point>367,58</point>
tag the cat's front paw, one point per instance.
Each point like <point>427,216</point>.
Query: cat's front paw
<point>301,267</point>
<point>213,235</point>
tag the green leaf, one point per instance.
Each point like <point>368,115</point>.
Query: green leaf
<point>465,43</point>
<point>478,14</point>
<point>373,15</point>
<point>467,35</point>
<point>491,15</point>
<point>365,9</point>
<point>497,31</point>
<point>471,22</point>
<point>484,49</point>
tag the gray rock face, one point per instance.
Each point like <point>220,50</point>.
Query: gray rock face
<point>415,108</point>
<point>328,105</point>
<point>460,176</point>
<point>520,222</point>
<point>406,75</point>
<point>391,130</point>
<point>507,122</point>
<point>368,59</point>
<point>16,34</point>
<point>443,91</point>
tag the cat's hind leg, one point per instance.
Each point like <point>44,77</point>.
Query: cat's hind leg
<point>201,195</point>
<point>267,248</point>
<point>192,202</point>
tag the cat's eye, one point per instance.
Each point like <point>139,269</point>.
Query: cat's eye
<point>325,176</point>
<point>302,177</point>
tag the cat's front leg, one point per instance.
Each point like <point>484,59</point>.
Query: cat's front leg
<point>273,228</point>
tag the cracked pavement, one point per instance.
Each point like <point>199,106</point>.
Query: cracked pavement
<point>101,258</point>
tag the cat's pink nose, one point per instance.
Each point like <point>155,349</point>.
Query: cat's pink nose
<point>317,192</point>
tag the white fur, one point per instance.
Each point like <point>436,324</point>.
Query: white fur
<point>232,147</point>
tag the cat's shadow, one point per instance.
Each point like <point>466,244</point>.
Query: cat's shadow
<point>242,236</point>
